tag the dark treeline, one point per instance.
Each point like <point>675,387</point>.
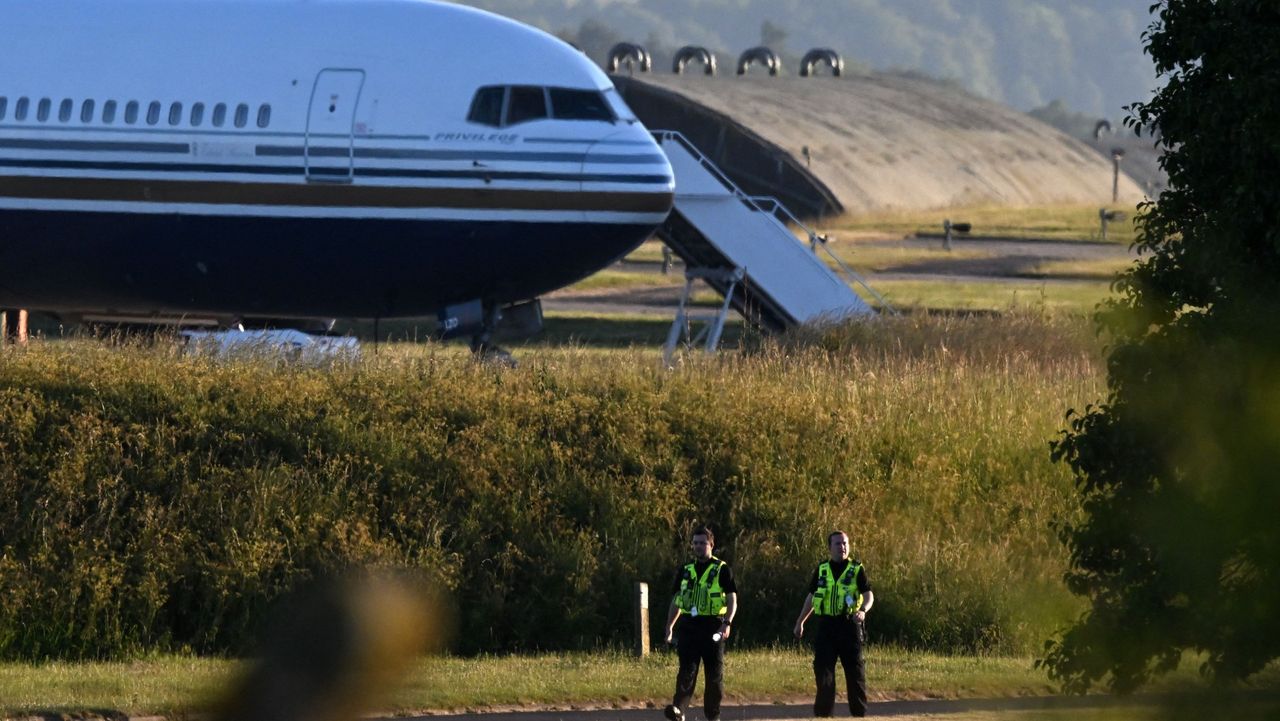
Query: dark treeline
<point>1026,53</point>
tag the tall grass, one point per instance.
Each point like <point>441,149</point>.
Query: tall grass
<point>153,501</point>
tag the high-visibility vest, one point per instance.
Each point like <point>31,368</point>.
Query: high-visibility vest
<point>701,596</point>
<point>837,596</point>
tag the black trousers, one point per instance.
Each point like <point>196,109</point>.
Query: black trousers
<point>839,638</point>
<point>694,646</point>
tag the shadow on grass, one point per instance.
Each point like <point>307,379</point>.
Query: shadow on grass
<point>616,332</point>
<point>71,712</point>
<point>591,331</point>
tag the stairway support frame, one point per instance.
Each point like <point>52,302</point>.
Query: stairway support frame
<point>681,333</point>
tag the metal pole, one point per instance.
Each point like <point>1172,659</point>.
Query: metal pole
<point>946,234</point>
<point>1116,155</point>
<point>713,339</point>
<point>642,620</point>
<point>1102,220</point>
<point>4,327</point>
<point>1115,179</point>
<point>680,323</point>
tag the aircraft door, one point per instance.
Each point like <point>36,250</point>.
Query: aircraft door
<point>328,154</point>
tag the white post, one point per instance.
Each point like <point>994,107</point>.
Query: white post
<point>642,620</point>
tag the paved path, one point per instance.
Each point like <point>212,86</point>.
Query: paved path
<point>784,712</point>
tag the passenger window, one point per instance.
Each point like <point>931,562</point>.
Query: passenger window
<point>42,109</point>
<point>64,110</point>
<point>242,115</point>
<point>486,107</point>
<point>219,115</point>
<point>264,115</point>
<point>579,105</point>
<point>4,105</point>
<point>526,103</point>
<point>175,113</point>
<point>86,111</point>
<point>20,108</point>
<point>197,115</point>
<point>109,112</point>
<point>131,112</point>
<point>153,112</point>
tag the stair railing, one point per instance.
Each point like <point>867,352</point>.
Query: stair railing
<point>773,208</point>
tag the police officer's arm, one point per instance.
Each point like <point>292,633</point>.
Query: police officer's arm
<point>868,598</point>
<point>806,610</point>
<point>730,608</point>
<point>672,614</point>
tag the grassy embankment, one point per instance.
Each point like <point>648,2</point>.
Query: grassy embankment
<point>158,503</point>
<point>155,502</point>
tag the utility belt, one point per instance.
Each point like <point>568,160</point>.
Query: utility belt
<point>837,626</point>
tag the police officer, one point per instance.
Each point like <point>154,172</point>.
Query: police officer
<point>707,597</point>
<point>840,596</point>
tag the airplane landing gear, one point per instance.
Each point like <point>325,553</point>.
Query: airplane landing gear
<point>483,348</point>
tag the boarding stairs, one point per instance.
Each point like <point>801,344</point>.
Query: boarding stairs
<point>741,246</point>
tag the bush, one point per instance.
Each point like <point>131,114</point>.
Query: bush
<point>155,502</point>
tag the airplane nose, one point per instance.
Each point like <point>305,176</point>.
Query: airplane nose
<point>629,161</point>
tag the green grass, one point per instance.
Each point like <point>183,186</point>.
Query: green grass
<point>614,330</point>
<point>1105,269</point>
<point>1073,297</point>
<point>649,251</point>
<point>164,685</point>
<point>867,258</point>
<point>761,676</point>
<point>611,278</point>
<point>1055,222</point>
<point>177,686</point>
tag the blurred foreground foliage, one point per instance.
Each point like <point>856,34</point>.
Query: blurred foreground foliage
<point>1179,548</point>
<point>155,501</point>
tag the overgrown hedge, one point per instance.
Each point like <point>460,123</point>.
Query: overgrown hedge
<point>151,501</point>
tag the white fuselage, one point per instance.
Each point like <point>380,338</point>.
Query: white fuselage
<point>309,158</point>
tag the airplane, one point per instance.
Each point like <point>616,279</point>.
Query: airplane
<point>215,161</point>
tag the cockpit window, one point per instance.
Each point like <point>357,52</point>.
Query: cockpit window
<point>486,108</point>
<point>501,106</point>
<point>579,105</point>
<point>526,103</point>
<point>619,106</point>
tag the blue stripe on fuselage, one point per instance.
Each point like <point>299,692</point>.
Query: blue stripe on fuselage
<point>287,151</point>
<point>297,171</point>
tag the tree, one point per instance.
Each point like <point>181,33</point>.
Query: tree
<point>1178,546</point>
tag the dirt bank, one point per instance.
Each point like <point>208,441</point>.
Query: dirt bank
<point>884,141</point>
